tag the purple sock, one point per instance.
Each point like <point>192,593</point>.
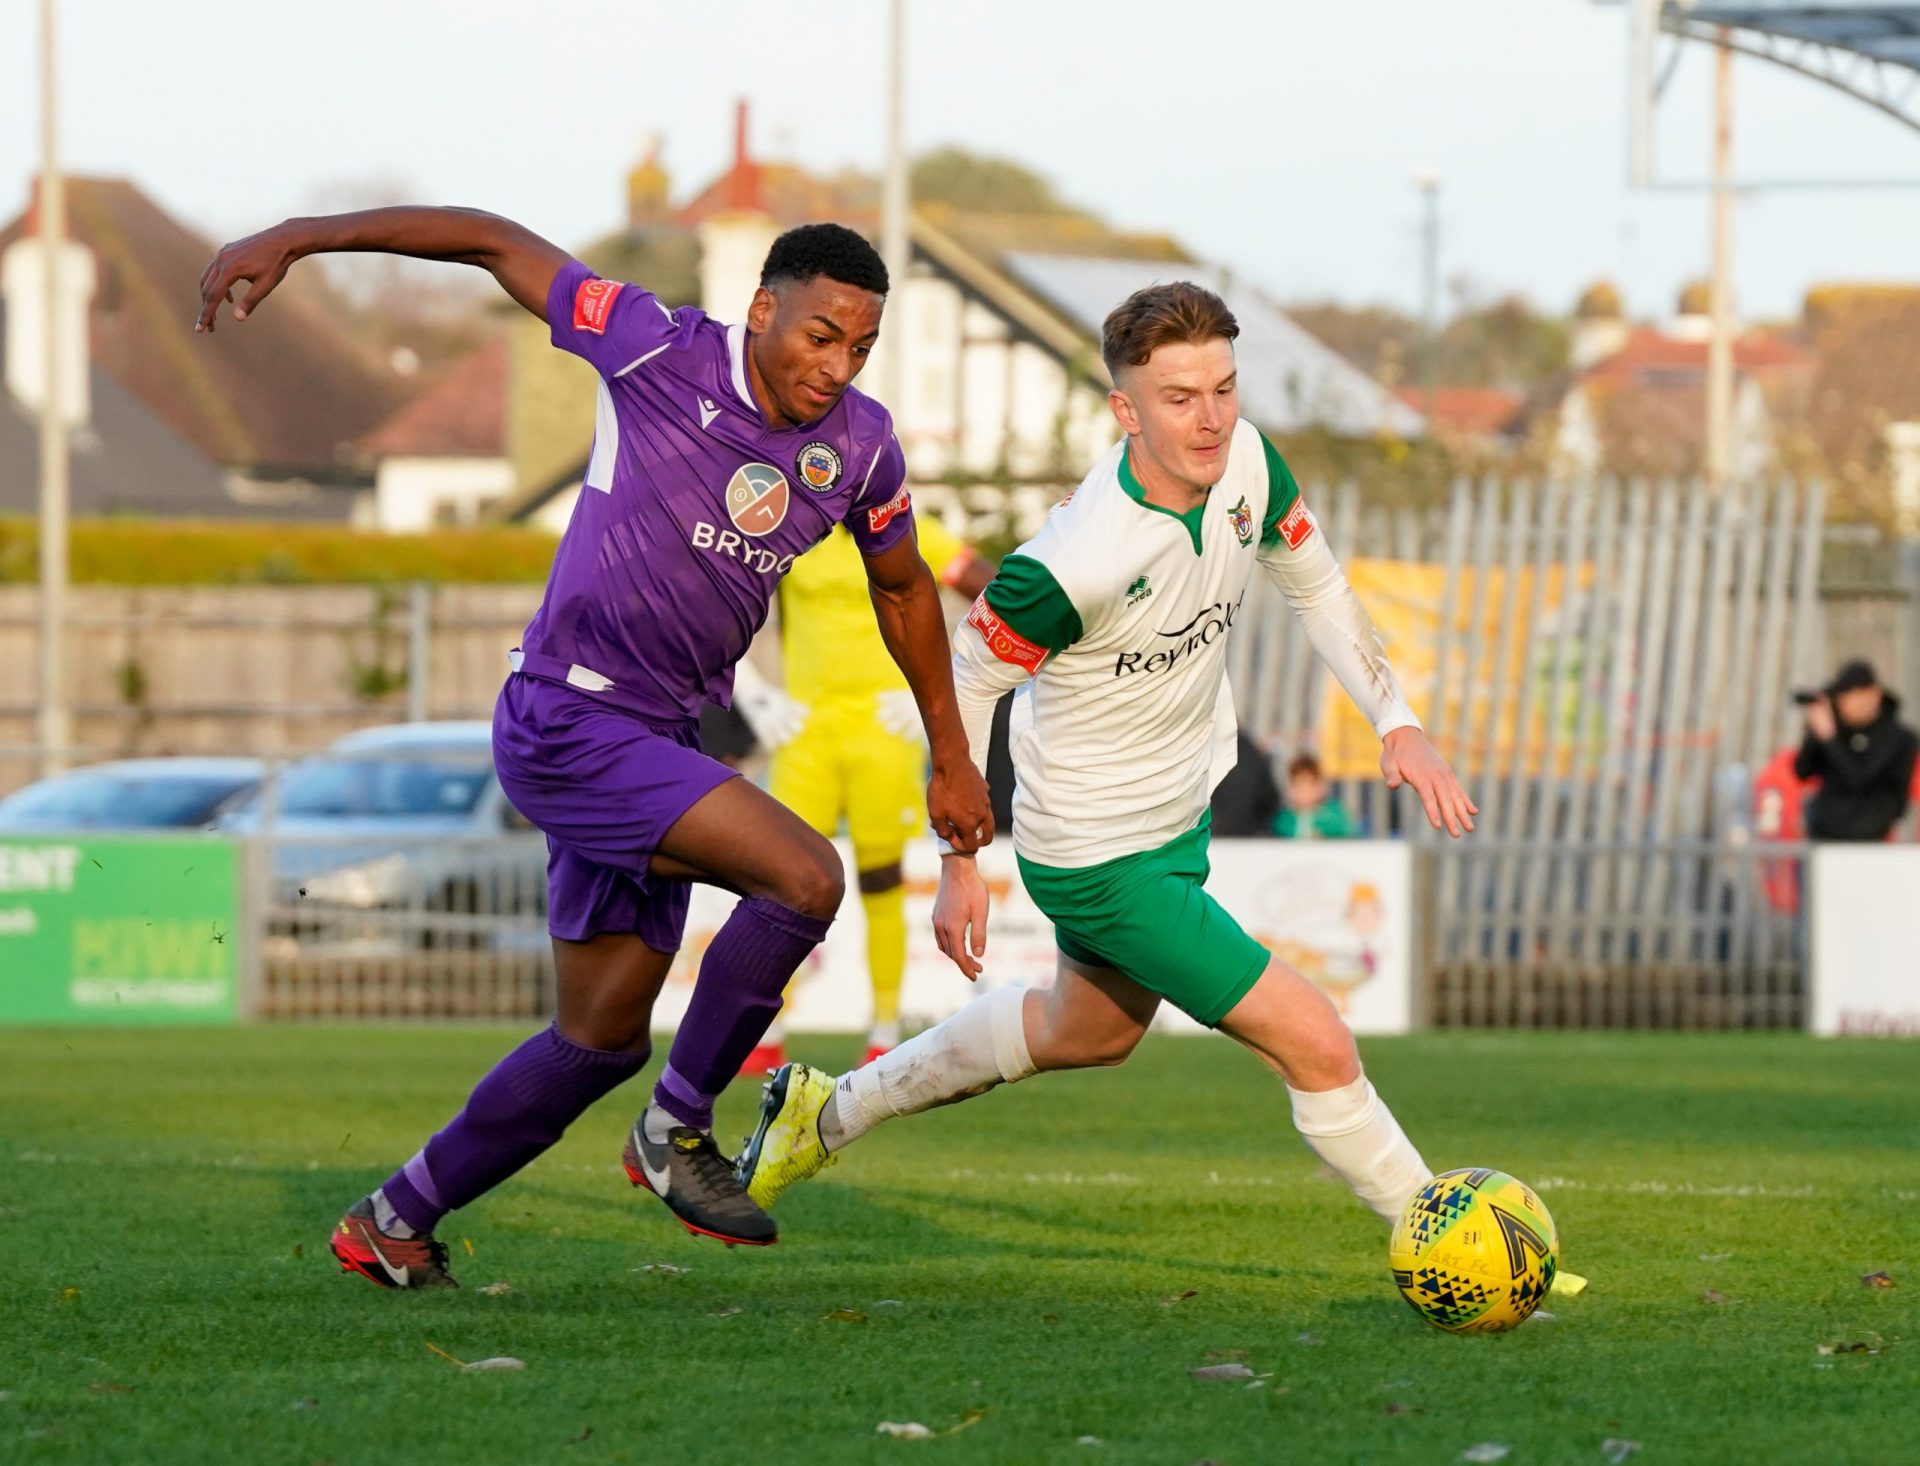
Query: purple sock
<point>746,969</point>
<point>523,1106</point>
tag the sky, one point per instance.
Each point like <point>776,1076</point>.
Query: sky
<point>1281,139</point>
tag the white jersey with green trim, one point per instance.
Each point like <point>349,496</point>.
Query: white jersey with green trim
<point>1119,612</point>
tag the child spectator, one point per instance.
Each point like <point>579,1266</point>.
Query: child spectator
<point>1311,813</point>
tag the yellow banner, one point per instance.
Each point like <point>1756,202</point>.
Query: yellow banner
<point>1405,599</point>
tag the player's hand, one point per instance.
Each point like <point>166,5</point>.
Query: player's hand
<point>262,260</point>
<point>959,806</point>
<point>775,718</point>
<point>1409,759</point>
<point>960,913</point>
<point>899,714</point>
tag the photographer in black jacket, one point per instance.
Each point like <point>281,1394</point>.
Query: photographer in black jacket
<point>1862,756</point>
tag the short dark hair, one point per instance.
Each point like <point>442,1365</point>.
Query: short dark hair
<point>1303,763</point>
<point>833,250</point>
<point>1163,315</point>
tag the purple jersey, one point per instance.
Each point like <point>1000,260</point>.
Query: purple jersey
<point>692,509</point>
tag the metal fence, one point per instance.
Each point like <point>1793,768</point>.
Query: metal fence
<point>1675,934</point>
<point>273,670</point>
<point>449,927</point>
<point>1610,739</point>
<point>1609,666</point>
<point>1681,934</point>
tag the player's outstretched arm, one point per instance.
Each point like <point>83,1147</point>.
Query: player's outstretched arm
<point>906,603</point>
<point>519,259</point>
<point>1343,634</point>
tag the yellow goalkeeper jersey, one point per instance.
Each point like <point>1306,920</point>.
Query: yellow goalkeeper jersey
<point>828,636</point>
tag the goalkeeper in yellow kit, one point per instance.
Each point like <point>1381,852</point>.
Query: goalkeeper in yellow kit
<point>846,743</point>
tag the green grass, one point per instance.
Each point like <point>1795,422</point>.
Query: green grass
<point>165,1292</point>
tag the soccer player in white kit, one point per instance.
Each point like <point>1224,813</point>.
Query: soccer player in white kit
<point>1113,622</point>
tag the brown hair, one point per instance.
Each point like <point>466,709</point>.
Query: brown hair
<point>1163,315</point>
<point>1303,763</point>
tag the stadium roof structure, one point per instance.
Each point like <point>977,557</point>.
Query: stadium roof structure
<point>1870,50</point>
<point>1289,379</point>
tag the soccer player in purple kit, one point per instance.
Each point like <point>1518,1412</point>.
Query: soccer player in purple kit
<point>720,454</point>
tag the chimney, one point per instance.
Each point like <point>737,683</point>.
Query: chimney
<point>23,283</point>
<point>743,182</point>
<point>734,243</point>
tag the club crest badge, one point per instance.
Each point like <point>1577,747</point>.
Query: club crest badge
<point>818,466</point>
<point>757,498</point>
<point>1242,517</point>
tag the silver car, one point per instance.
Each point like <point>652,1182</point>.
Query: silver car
<point>407,821</point>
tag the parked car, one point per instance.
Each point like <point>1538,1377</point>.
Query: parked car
<point>132,794</point>
<point>409,817</point>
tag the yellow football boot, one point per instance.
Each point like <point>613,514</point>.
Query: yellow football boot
<point>785,1147</point>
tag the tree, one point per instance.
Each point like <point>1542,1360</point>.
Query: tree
<point>977,182</point>
<point>1503,343</point>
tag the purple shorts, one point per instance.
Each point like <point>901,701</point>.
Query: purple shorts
<point>605,788</point>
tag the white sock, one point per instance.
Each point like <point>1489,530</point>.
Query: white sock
<point>983,1045</point>
<point>656,1122</point>
<point>386,1218</point>
<point>1353,1131</point>
<point>884,1035</point>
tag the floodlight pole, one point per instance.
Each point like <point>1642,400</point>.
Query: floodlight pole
<point>1643,28</point>
<point>896,246</point>
<point>1719,445</point>
<point>55,729</point>
<point>1429,186</point>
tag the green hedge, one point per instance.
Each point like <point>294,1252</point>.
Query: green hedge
<point>210,552</point>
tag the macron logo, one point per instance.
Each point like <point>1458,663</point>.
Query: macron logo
<point>708,412</point>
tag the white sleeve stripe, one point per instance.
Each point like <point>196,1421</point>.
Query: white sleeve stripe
<point>879,453</point>
<point>606,442</point>
<point>643,360</point>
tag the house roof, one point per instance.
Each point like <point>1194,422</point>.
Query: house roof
<point>125,460</point>
<point>1650,354</point>
<point>283,395</point>
<point>789,193</point>
<point>461,415</point>
<point>1289,380</point>
<point>993,236</point>
<point>1052,277</point>
<point>1472,410</point>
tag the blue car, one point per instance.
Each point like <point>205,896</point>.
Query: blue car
<point>133,794</point>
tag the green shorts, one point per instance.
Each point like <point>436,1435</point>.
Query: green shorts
<point>1148,917</point>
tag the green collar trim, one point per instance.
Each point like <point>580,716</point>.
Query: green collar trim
<point>1192,518</point>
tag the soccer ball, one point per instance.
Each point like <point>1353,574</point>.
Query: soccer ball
<point>1474,1252</point>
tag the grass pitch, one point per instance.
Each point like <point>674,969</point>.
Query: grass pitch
<point>1035,1272</point>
